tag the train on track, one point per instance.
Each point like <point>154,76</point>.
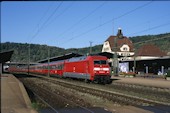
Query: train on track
<point>92,68</point>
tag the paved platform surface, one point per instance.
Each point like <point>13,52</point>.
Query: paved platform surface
<point>162,83</point>
<point>14,98</point>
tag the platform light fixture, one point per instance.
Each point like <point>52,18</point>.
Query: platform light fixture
<point>119,35</point>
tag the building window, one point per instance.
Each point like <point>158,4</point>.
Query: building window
<point>106,49</point>
<point>124,49</point>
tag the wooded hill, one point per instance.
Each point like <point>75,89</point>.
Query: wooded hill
<point>39,52</point>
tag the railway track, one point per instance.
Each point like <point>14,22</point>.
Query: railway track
<point>105,94</point>
<point>77,86</point>
<point>160,94</point>
<point>56,101</point>
<point>163,94</point>
<point>147,92</point>
<point>54,110</point>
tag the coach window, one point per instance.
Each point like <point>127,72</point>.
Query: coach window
<point>62,66</point>
<point>59,66</point>
<point>51,67</point>
<point>54,67</point>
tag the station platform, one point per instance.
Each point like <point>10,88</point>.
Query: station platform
<point>14,98</point>
<point>161,83</point>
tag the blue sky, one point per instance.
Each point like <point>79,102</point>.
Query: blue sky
<point>73,24</point>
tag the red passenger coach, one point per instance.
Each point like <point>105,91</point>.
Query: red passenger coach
<point>56,68</point>
<point>90,68</point>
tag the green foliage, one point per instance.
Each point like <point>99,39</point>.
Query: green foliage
<point>163,44</point>
<point>35,106</point>
<point>39,52</point>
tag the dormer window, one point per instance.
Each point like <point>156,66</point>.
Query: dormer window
<point>125,49</point>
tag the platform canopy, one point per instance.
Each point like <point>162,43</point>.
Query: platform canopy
<point>62,57</point>
<point>5,56</point>
<point>70,55</point>
<point>107,54</point>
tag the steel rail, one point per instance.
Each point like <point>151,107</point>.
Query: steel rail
<point>45,102</point>
<point>86,109</point>
<point>128,99</point>
<point>102,91</point>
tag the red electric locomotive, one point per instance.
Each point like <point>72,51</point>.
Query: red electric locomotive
<point>90,68</point>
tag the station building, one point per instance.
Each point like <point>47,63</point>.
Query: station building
<point>119,46</point>
<point>147,59</point>
<point>124,47</point>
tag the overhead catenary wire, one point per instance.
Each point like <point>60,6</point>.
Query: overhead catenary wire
<point>38,23</point>
<point>29,51</point>
<point>55,10</point>
<point>151,20</point>
<point>39,29</point>
<point>42,26</point>
<point>47,23</point>
<point>60,14</point>
<point>82,19</point>
<point>159,38</point>
<point>155,27</point>
<point>45,13</point>
<point>94,28</point>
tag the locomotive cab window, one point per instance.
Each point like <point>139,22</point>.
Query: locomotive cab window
<point>100,62</point>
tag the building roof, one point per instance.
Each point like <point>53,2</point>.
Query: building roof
<point>150,50</point>
<point>62,57</point>
<point>5,56</point>
<point>107,54</point>
<point>120,42</point>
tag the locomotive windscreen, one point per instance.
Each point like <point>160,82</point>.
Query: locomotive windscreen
<point>100,62</point>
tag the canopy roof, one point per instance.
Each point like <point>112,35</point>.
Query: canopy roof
<point>62,57</point>
<point>5,56</point>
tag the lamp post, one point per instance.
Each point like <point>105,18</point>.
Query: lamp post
<point>48,61</point>
<point>90,47</point>
<point>119,35</point>
<point>115,57</point>
<point>28,59</point>
<point>134,63</point>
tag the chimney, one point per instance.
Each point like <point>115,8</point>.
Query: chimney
<point>119,33</point>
